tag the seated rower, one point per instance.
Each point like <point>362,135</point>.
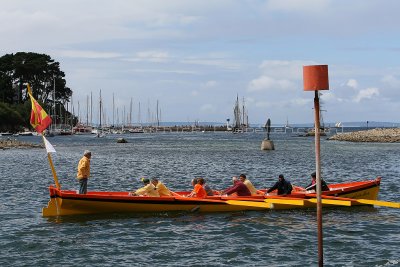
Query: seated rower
<point>238,187</point>
<point>161,188</point>
<point>249,185</point>
<point>313,185</point>
<point>284,186</point>
<point>147,190</point>
<point>208,189</point>
<point>198,190</point>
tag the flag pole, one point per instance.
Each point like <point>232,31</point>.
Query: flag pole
<point>53,170</point>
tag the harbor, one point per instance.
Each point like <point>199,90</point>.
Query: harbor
<point>216,157</point>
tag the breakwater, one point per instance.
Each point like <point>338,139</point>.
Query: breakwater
<point>387,135</point>
<point>12,143</point>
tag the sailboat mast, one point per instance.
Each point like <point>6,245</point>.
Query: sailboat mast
<point>139,116</point>
<point>91,109</point>
<point>113,111</point>
<point>244,113</point>
<point>87,110</point>
<point>54,103</point>
<point>100,111</point>
<point>158,121</point>
<point>130,114</point>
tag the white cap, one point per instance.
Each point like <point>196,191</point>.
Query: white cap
<point>87,152</point>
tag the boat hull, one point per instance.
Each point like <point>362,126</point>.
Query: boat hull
<point>64,202</point>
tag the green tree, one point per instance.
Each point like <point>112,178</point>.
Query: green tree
<point>40,71</point>
<point>48,87</point>
<point>11,120</point>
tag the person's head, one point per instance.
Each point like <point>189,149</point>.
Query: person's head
<point>234,179</point>
<point>145,180</point>
<point>242,177</point>
<point>87,154</point>
<point>154,181</point>
<point>200,181</point>
<point>194,181</point>
<point>281,177</point>
<point>314,175</point>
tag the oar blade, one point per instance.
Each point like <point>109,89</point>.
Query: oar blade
<point>379,203</point>
<point>331,202</point>
<point>294,202</point>
<point>249,204</point>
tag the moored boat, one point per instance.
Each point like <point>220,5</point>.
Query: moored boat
<point>68,202</point>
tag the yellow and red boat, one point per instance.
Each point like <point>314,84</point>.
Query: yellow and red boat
<point>68,202</point>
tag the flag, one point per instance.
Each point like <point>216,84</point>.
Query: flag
<point>49,147</point>
<point>39,118</point>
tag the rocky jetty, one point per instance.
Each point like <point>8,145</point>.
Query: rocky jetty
<point>387,135</point>
<point>13,143</point>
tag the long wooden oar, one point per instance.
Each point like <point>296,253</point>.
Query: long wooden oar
<point>330,202</point>
<point>363,201</point>
<point>268,203</point>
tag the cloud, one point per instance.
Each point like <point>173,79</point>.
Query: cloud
<point>391,81</point>
<point>87,54</point>
<point>329,97</point>
<point>265,83</point>
<point>210,84</point>
<point>165,71</point>
<point>304,6</point>
<point>220,63</point>
<point>352,83</point>
<point>208,108</point>
<point>368,93</point>
<point>285,69</point>
<point>150,56</point>
<point>279,75</point>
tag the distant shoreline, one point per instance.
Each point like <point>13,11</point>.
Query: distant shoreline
<point>379,135</point>
<point>12,143</point>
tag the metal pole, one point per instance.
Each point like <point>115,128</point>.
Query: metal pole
<point>318,181</point>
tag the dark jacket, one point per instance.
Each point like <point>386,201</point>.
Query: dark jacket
<point>284,187</point>
<point>324,186</point>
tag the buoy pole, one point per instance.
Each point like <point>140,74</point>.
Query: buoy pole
<point>318,180</point>
<point>315,79</point>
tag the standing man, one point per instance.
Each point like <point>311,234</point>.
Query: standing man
<point>84,171</point>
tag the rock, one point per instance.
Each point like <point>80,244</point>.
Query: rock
<point>13,143</point>
<point>380,135</point>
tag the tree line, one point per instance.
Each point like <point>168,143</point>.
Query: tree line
<point>43,74</point>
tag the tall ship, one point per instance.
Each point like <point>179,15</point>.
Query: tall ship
<point>241,117</point>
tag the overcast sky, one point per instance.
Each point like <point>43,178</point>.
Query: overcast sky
<point>195,57</point>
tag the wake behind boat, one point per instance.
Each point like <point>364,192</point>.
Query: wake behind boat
<point>68,202</point>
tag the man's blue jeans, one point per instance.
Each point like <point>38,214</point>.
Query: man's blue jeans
<point>83,186</point>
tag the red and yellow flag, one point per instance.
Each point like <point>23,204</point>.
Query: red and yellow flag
<point>39,118</point>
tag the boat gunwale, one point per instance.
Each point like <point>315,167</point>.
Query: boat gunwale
<point>125,197</point>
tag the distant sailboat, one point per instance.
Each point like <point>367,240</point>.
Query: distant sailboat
<point>241,118</point>
<point>287,126</point>
<point>100,132</point>
<point>322,129</point>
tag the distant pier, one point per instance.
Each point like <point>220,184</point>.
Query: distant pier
<point>387,135</point>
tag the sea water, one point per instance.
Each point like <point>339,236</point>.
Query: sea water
<point>353,236</point>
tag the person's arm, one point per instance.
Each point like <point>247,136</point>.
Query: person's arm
<point>143,190</point>
<point>232,190</point>
<point>311,187</point>
<point>273,187</point>
<point>193,193</point>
